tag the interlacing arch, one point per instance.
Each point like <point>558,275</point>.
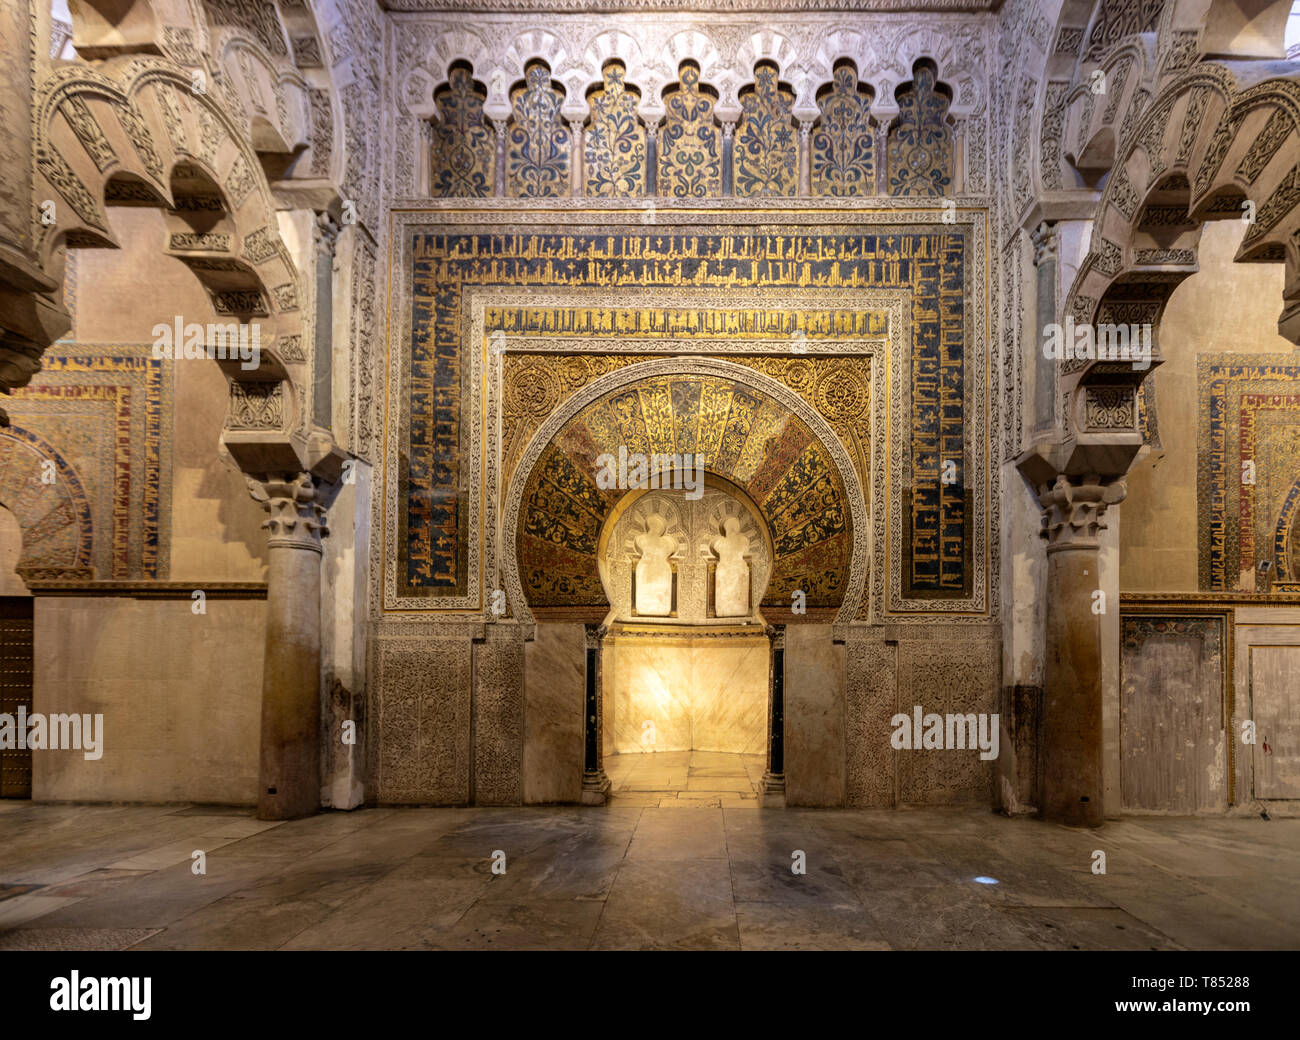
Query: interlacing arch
<point>1210,146</point>
<point>134,131</point>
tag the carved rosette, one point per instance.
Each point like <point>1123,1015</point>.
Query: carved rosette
<point>1075,508</point>
<point>297,517</point>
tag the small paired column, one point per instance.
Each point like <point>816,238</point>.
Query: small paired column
<point>289,769</point>
<point>771,791</point>
<point>595,784</point>
<point>805,156</point>
<point>728,144</point>
<point>499,167</point>
<point>577,160</point>
<point>652,158</point>
<point>1046,244</point>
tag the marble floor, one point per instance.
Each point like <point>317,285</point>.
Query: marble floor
<point>684,780</point>
<point>636,877</point>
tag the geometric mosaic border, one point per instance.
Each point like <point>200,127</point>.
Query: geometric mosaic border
<point>109,407</point>
<point>1239,396</point>
<point>482,372</point>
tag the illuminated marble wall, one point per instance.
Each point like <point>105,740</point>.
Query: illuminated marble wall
<point>686,692</point>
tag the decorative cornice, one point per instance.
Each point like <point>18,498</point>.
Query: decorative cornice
<point>150,589</point>
<point>1172,602</point>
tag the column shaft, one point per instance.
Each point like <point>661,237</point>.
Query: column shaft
<point>289,770</point>
<point>1072,733</point>
<point>289,782</point>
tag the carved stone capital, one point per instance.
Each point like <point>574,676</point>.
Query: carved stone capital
<point>1045,241</point>
<point>1075,507</point>
<point>326,234</point>
<point>297,516</point>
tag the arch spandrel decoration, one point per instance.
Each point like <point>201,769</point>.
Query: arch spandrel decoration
<point>765,157</point>
<point>843,157</point>
<point>805,488</point>
<point>920,149</point>
<point>744,437</point>
<point>537,143</point>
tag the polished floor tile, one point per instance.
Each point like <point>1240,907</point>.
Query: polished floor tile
<point>684,868</point>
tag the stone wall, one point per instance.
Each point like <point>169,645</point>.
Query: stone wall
<point>180,694</point>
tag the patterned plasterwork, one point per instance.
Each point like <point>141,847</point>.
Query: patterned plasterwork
<point>804,46</point>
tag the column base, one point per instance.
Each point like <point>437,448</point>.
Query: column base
<point>595,788</point>
<point>771,791</point>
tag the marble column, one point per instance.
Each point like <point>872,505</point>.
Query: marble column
<point>499,167</point>
<point>805,156</point>
<point>326,234</point>
<point>289,771</point>
<point>595,784</point>
<point>882,157</point>
<point>771,791</point>
<point>728,142</point>
<point>424,164</point>
<point>1046,244</point>
<point>1072,732</point>
<point>651,158</point>
<point>577,160</point>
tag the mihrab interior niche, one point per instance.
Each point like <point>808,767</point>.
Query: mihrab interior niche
<point>686,657</point>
